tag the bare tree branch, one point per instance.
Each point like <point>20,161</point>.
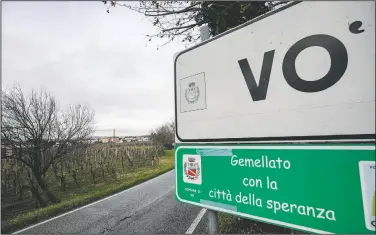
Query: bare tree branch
<point>182,27</point>
<point>34,126</point>
<point>171,12</point>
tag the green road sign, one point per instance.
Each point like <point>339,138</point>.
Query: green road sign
<point>315,188</point>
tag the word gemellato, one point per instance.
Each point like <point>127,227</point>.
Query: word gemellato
<point>263,162</point>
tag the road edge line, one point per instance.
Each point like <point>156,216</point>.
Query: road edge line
<point>196,221</point>
<point>93,203</point>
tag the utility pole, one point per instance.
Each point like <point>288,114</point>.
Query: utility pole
<point>114,132</point>
<point>212,215</point>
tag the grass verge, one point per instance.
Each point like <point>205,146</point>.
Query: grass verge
<point>80,199</point>
<point>229,224</point>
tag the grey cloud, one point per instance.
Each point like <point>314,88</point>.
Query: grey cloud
<point>83,55</point>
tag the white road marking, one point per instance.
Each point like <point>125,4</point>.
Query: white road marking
<point>93,203</point>
<point>195,222</point>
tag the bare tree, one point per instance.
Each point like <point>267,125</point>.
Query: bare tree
<point>165,134</point>
<point>41,133</point>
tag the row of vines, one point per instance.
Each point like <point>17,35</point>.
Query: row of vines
<point>88,165</point>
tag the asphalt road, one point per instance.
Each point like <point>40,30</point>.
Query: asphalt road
<point>147,208</point>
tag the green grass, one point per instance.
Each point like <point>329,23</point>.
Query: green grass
<point>229,224</point>
<point>72,200</point>
<point>169,153</point>
<point>226,222</point>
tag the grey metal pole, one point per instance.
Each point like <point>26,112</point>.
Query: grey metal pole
<point>204,33</point>
<point>212,215</point>
<point>213,221</point>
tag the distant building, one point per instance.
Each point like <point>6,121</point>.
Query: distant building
<point>145,139</point>
<point>129,139</point>
<point>114,139</point>
<point>111,140</point>
<point>92,141</point>
<point>104,140</point>
<point>125,139</point>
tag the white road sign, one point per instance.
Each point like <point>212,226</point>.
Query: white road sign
<point>302,72</point>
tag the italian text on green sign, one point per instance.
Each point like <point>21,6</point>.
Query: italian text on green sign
<point>308,187</point>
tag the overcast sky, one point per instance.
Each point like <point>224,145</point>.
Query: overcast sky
<point>82,54</point>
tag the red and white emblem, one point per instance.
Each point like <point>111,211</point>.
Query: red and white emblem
<point>192,169</point>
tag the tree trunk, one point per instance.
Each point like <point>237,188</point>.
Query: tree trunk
<point>5,181</point>
<point>122,161</point>
<point>128,158</point>
<point>38,198</point>
<point>20,188</point>
<point>92,172</point>
<point>44,188</point>
<point>74,176</point>
<point>44,180</point>
<point>39,201</point>
<point>103,173</point>
<point>14,187</point>
<point>62,183</point>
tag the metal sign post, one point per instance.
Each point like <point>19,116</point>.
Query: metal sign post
<point>212,215</point>
<point>213,222</point>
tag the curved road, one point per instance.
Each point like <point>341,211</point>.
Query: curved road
<point>149,207</point>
